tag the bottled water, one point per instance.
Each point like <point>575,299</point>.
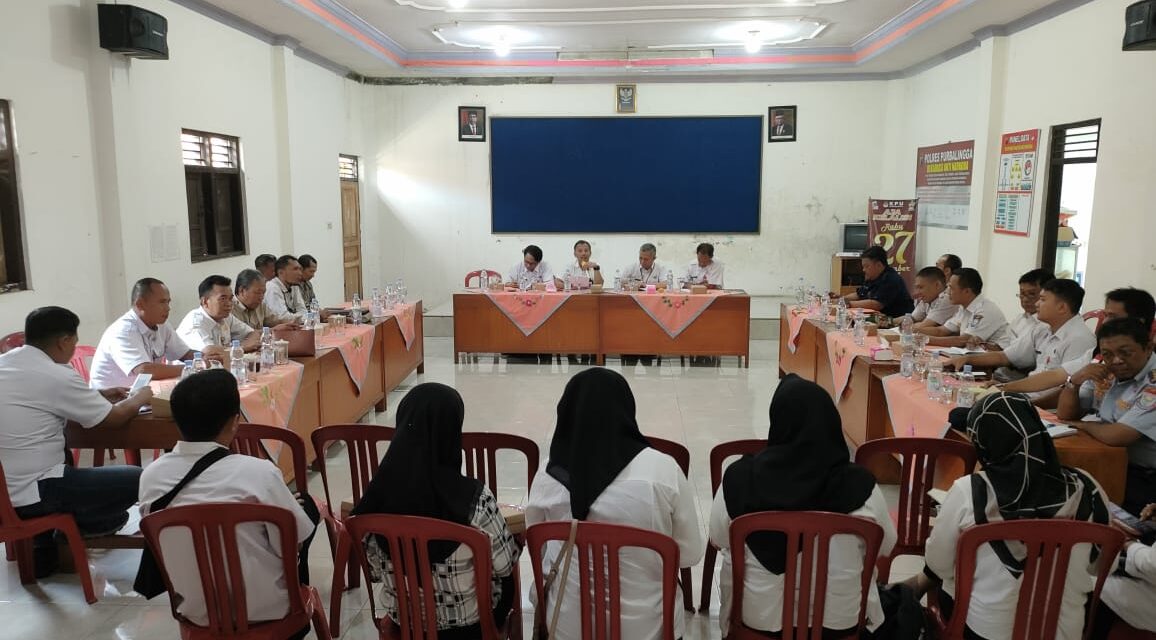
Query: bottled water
<point>907,364</point>
<point>187,370</point>
<point>841,314</point>
<point>376,306</point>
<point>566,283</point>
<point>670,282</point>
<point>268,351</point>
<point>800,292</point>
<point>237,362</point>
<point>906,331</point>
<point>618,280</point>
<point>967,390</point>
<point>199,363</point>
<point>860,331</point>
<point>483,279</point>
<point>355,312</point>
<point>934,379</point>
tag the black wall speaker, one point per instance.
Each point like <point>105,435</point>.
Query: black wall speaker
<point>1140,26</point>
<point>135,32</point>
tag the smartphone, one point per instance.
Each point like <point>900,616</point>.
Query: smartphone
<point>1147,528</point>
<point>142,381</point>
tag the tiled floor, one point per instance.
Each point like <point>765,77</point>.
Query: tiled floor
<point>696,406</point>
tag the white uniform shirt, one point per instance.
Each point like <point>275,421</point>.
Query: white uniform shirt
<point>654,275</point>
<point>541,273</point>
<point>1044,350</point>
<point>938,311</point>
<point>1022,323</point>
<point>579,278</point>
<point>128,343</point>
<point>199,330</point>
<point>649,493</point>
<point>982,319</point>
<point>763,591</point>
<point>1132,597</point>
<point>1075,364</point>
<point>37,398</point>
<point>712,273</point>
<point>995,592</point>
<point>237,479</point>
<point>283,300</point>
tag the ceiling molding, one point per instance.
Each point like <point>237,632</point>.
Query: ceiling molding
<point>780,4</point>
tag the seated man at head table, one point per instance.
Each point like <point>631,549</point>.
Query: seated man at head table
<point>705,269</point>
<point>141,341</point>
<point>213,322</point>
<point>583,272</point>
<point>1126,302</point>
<point>1121,393</point>
<point>1030,284</point>
<point>207,407</point>
<point>283,293</point>
<point>39,394</point>
<point>978,320</point>
<point>646,271</point>
<point>266,265</point>
<point>249,304</point>
<point>949,263</point>
<point>531,270</point>
<point>932,304</point>
<point>308,271</point>
<point>1059,336</point>
<point>883,288</point>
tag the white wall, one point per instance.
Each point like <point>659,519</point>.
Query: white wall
<point>435,191</point>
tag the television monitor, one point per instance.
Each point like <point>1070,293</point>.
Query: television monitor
<point>855,237</point>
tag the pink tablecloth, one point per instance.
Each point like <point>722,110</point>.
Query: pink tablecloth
<point>674,313</point>
<point>528,310</point>
<point>355,346</point>
<point>842,351</point>
<point>266,400</point>
<point>796,316</point>
<point>404,312</point>
<point>912,413</point>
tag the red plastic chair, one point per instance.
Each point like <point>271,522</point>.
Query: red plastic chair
<point>11,341</point>
<point>479,450</point>
<point>1049,546</point>
<point>920,459</point>
<point>213,531</point>
<point>1097,315</point>
<point>681,456</point>
<point>718,456</point>
<point>808,545</point>
<point>408,538</point>
<point>596,550</point>
<point>81,362</point>
<point>361,443</point>
<point>17,533</point>
<point>477,275</point>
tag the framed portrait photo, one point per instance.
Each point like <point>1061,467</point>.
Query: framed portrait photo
<point>471,124</point>
<point>625,98</point>
<point>782,123</point>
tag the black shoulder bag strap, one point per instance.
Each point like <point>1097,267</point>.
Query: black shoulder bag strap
<point>149,581</point>
<point>979,507</point>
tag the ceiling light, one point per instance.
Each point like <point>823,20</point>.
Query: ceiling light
<point>458,4</point>
<point>753,42</point>
<point>502,48</point>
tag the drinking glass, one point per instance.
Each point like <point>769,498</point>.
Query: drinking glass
<point>337,322</point>
<point>921,360</point>
<point>921,340</point>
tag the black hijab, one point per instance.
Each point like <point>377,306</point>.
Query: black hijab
<point>596,436</point>
<point>421,474</point>
<point>1020,462</point>
<point>805,467</point>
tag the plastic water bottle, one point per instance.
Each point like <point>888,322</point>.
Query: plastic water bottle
<point>907,364</point>
<point>187,370</point>
<point>907,332</point>
<point>566,283</point>
<point>841,314</point>
<point>934,379</point>
<point>199,363</point>
<point>670,282</point>
<point>268,352</point>
<point>967,390</point>
<point>800,292</point>
<point>860,331</point>
<point>376,307</point>
<point>483,279</point>
<point>355,312</point>
<point>618,280</point>
<point>237,362</point>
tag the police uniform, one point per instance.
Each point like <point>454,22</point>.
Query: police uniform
<point>1132,403</point>
<point>982,319</point>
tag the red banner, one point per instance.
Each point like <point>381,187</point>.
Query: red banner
<point>892,224</point>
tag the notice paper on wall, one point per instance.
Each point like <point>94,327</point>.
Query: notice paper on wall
<point>1017,180</point>
<point>164,244</point>
<point>943,184</point>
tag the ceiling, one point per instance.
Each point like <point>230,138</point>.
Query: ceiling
<point>625,38</point>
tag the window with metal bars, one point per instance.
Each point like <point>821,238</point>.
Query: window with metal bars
<point>1076,143</point>
<point>347,167</point>
<point>13,273</point>
<point>214,188</point>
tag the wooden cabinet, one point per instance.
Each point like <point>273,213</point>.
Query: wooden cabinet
<point>846,273</point>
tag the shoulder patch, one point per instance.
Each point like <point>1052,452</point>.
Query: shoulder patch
<point>1152,377</point>
<point>1147,399</point>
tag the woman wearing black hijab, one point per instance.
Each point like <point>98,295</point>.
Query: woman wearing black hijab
<point>602,470</point>
<point>805,467</point>
<point>421,476</point>
<point>1021,478</point>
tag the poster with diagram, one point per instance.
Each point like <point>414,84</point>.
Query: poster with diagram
<point>1017,181</point>
<point>943,184</point>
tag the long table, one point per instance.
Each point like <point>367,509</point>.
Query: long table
<point>602,324</point>
<point>865,416</point>
<point>327,396</point>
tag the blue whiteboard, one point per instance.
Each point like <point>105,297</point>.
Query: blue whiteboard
<point>626,174</point>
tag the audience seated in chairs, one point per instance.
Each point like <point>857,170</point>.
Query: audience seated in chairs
<point>421,475</point>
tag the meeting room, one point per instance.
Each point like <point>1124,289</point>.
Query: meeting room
<point>858,291</point>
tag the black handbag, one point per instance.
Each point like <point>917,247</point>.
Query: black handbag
<point>149,581</point>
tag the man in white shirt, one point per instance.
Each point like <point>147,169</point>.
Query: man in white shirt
<point>933,306</point>
<point>39,394</point>
<point>1059,336</point>
<point>1129,592</point>
<point>583,272</point>
<point>646,270</point>
<point>705,270</point>
<point>283,295</point>
<point>531,270</point>
<point>213,323</point>
<point>949,263</point>
<point>265,265</point>
<point>1031,284</point>
<point>978,319</point>
<point>141,341</point>
<point>249,304</point>
<point>206,407</point>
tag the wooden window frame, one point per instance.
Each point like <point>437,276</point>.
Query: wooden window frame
<point>1057,160</point>
<point>204,240</point>
<point>13,264</point>
<point>356,167</point>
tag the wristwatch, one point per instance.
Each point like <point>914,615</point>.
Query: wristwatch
<point>597,268</point>
<point>1068,382</point>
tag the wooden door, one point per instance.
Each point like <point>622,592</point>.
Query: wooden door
<point>351,236</point>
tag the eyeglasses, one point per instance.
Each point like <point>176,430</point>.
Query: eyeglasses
<point>1030,296</point>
